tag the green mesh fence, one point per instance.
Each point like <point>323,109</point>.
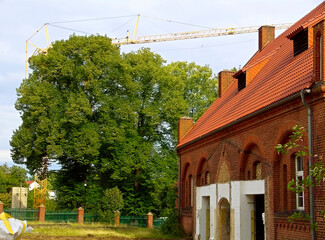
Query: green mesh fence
<point>23,213</point>
<point>61,216</point>
<point>157,222</point>
<point>71,216</point>
<point>134,221</point>
<point>91,218</point>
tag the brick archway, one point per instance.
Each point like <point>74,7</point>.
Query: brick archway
<point>252,159</point>
<point>224,219</point>
<point>202,172</point>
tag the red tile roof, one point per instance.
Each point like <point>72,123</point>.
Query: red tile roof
<point>282,76</point>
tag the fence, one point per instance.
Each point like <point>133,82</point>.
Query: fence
<point>140,221</point>
<point>80,217</point>
<point>134,221</point>
<point>157,222</point>
<point>24,214</point>
<point>90,218</point>
<point>61,216</point>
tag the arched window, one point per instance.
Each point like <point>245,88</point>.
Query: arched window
<point>191,191</point>
<point>299,166</point>
<point>203,174</point>
<point>257,170</point>
<point>188,186</point>
<point>207,178</point>
<point>284,186</point>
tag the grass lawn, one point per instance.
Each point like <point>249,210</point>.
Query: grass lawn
<point>58,231</point>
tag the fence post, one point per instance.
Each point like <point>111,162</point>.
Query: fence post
<point>1,207</point>
<point>41,213</point>
<point>80,217</point>
<point>149,220</point>
<point>117,218</point>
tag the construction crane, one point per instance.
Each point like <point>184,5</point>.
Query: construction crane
<point>40,189</point>
<point>213,32</point>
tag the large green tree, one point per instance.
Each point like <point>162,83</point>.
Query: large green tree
<point>109,119</point>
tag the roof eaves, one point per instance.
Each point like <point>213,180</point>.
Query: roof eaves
<point>295,31</point>
<point>307,24</point>
<point>236,121</point>
<point>237,73</point>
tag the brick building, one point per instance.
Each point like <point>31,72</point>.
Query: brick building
<point>230,173</point>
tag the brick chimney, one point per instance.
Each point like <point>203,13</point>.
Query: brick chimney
<point>225,79</point>
<point>184,124</point>
<point>265,35</point>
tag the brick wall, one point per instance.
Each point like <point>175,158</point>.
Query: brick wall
<point>253,141</point>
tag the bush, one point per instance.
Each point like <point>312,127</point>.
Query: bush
<point>171,225</point>
<point>5,198</point>
<point>112,201</point>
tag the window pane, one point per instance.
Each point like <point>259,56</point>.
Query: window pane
<point>300,201</point>
<point>299,164</point>
<point>207,178</point>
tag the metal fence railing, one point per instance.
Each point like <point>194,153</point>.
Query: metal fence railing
<point>23,213</point>
<point>91,218</point>
<point>140,221</point>
<point>61,216</point>
<point>71,216</point>
<point>157,222</point>
<point>134,221</point>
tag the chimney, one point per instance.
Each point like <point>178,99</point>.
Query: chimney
<point>225,79</point>
<point>184,124</point>
<point>265,35</point>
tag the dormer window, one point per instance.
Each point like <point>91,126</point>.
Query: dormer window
<point>241,81</point>
<point>300,42</point>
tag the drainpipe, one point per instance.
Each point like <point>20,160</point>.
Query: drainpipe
<point>311,153</point>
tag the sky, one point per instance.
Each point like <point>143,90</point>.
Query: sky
<point>20,19</point>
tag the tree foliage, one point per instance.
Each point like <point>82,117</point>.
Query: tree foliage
<point>111,202</point>
<point>10,177</point>
<point>107,118</point>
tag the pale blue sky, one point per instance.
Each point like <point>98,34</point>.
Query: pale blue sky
<point>19,19</point>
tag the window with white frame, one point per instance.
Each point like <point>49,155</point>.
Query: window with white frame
<point>299,178</point>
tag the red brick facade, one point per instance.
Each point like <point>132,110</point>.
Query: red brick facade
<point>243,149</point>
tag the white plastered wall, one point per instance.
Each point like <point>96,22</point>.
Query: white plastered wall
<point>203,194</point>
<point>240,195</point>
<point>247,204</point>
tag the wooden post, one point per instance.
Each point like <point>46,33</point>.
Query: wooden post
<point>41,213</point>
<point>1,207</point>
<point>149,220</point>
<point>117,218</point>
<point>80,217</point>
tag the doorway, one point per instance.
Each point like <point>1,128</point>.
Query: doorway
<point>206,217</point>
<point>259,209</point>
<point>224,219</point>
